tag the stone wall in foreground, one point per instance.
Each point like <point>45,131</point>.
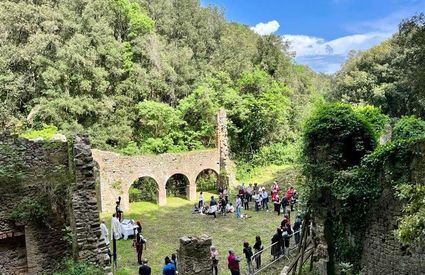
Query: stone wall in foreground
<point>382,253</point>
<point>32,172</point>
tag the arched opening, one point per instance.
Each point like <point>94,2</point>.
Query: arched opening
<point>143,189</point>
<point>207,180</point>
<point>177,186</point>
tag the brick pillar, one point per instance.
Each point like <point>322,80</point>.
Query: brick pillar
<point>191,190</point>
<point>162,195</point>
<point>227,175</point>
<point>194,255</point>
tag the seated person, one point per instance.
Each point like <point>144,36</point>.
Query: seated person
<point>205,210</point>
<point>195,209</point>
<point>230,208</point>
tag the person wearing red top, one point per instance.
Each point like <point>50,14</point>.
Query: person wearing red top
<point>233,263</point>
<point>290,193</point>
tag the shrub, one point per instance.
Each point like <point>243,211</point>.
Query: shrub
<point>46,133</point>
<point>335,138</point>
<point>409,127</point>
<point>71,267</point>
<point>374,117</point>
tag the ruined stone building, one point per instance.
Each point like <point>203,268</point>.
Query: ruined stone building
<point>53,191</point>
<point>48,205</point>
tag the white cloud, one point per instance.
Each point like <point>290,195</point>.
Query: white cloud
<point>266,28</point>
<point>327,56</point>
<point>304,45</point>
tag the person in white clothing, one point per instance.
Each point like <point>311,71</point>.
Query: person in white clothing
<point>115,228</point>
<point>104,232</point>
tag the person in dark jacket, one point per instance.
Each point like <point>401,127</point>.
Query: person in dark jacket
<point>297,228</point>
<point>169,268</point>
<point>277,242</point>
<point>258,247</point>
<point>247,250</point>
<point>144,269</point>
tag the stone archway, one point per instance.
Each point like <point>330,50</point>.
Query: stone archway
<point>118,172</point>
<point>178,185</point>
<point>144,189</point>
<point>207,180</point>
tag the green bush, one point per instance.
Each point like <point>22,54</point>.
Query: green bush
<point>276,153</point>
<point>71,267</point>
<point>374,117</point>
<point>144,189</point>
<point>409,127</point>
<point>207,181</point>
<point>31,210</point>
<point>46,133</point>
<point>335,138</point>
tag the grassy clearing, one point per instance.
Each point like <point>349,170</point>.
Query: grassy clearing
<point>163,226</point>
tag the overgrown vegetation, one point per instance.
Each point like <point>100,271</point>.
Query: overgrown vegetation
<point>121,71</point>
<point>343,185</point>
<point>72,267</point>
<point>32,210</point>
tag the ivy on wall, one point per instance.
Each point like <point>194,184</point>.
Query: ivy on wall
<point>346,173</point>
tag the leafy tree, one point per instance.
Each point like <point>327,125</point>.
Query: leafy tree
<point>409,127</point>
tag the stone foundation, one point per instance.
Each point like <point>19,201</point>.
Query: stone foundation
<point>194,255</point>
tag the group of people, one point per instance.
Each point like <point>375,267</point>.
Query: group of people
<point>246,195</point>
<point>281,239</point>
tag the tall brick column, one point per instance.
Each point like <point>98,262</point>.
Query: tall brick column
<point>227,174</point>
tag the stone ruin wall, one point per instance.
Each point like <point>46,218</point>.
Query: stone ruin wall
<point>194,255</point>
<point>382,253</point>
<point>117,172</point>
<point>29,248</point>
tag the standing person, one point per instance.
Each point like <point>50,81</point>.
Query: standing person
<point>247,250</point>
<point>276,204</point>
<point>223,207</point>
<point>213,207</point>
<point>169,268</point>
<point>115,227</point>
<point>249,191</point>
<point>139,243</point>
<point>286,234</point>
<point>233,263</point>
<point>246,201</point>
<point>284,203</point>
<point>289,195</point>
<point>258,202</point>
<point>255,188</point>
<point>214,259</point>
<point>297,229</point>
<point>277,244</point>
<point>258,247</point>
<point>201,200</point>
<point>118,210</point>
<point>238,207</point>
<point>144,269</point>
<point>226,195</point>
<point>265,198</point>
<point>104,233</point>
<point>174,261</point>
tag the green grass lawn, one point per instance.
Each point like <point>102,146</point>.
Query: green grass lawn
<point>163,226</point>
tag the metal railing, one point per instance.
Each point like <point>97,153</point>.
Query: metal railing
<point>267,258</point>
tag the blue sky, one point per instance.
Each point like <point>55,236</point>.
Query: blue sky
<point>322,32</point>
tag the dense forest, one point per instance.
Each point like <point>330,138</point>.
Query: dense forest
<point>149,76</point>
